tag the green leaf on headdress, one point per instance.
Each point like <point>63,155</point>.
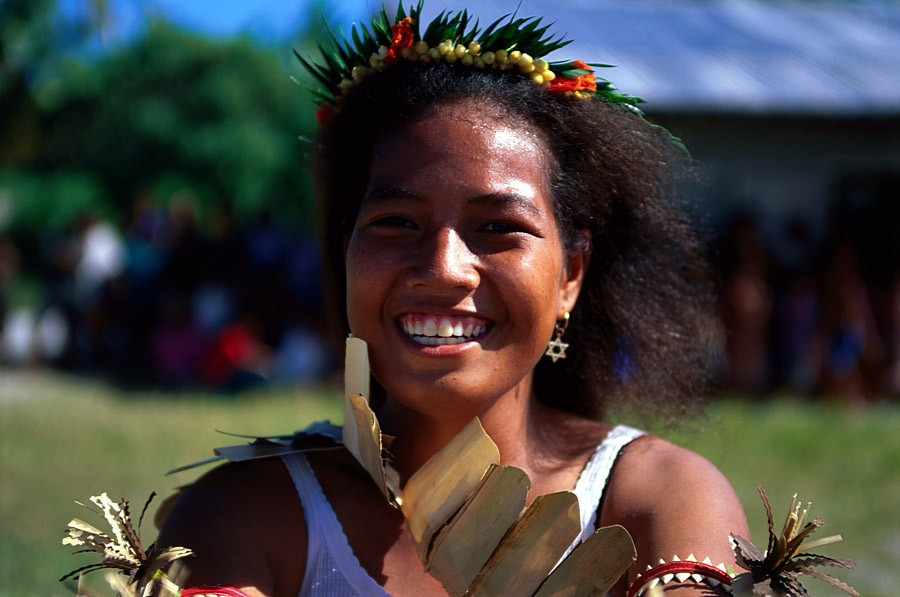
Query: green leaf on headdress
<point>318,94</point>
<point>488,35</point>
<point>440,29</point>
<point>382,25</point>
<point>430,29</point>
<point>313,70</point>
<point>416,15</point>
<point>472,35</point>
<point>369,44</point>
<point>505,35</point>
<point>529,29</point>
<point>340,44</point>
<point>332,59</point>
<point>572,73</point>
<point>461,25</point>
<point>357,41</point>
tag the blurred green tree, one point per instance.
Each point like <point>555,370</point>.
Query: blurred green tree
<point>220,117</point>
<point>171,110</point>
<point>26,43</point>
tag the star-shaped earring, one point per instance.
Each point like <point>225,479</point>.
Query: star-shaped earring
<point>556,348</point>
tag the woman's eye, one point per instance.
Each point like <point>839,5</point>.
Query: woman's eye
<point>501,227</point>
<point>393,222</point>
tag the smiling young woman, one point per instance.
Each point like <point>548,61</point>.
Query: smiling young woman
<point>456,230</point>
<point>468,214</point>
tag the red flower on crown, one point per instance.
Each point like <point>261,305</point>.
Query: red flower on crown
<point>404,37</point>
<point>586,82</point>
<point>324,115</point>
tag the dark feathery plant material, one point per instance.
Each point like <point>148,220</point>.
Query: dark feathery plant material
<point>775,572</point>
<point>506,34</point>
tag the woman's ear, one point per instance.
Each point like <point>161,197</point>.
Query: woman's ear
<point>573,276</point>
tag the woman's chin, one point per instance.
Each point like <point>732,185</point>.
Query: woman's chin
<point>437,395</point>
<point>454,394</point>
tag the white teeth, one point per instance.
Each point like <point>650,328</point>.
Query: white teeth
<point>437,340</point>
<point>445,330</point>
<point>430,328</point>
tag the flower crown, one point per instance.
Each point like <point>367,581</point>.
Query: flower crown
<point>509,43</point>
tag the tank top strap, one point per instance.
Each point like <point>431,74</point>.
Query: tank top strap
<point>332,569</point>
<point>594,479</point>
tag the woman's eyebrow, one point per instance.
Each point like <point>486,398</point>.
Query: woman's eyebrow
<point>513,200</point>
<point>500,199</point>
<point>377,195</point>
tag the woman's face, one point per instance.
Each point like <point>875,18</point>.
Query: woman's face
<point>455,268</point>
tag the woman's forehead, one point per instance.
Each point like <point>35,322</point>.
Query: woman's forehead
<point>480,115</point>
<point>462,151</point>
<point>464,131</point>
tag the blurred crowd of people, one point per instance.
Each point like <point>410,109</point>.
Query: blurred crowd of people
<point>803,319</point>
<point>167,301</point>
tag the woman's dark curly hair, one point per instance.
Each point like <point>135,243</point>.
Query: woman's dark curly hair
<point>641,326</point>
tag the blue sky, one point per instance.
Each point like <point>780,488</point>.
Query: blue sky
<point>264,19</point>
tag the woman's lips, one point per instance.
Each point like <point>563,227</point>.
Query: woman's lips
<point>439,330</point>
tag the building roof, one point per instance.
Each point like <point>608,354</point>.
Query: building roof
<point>774,57</point>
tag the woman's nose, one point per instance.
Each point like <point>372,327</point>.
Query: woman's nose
<point>444,261</point>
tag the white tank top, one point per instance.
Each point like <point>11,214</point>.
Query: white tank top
<point>332,569</point>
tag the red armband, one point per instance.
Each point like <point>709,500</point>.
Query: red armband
<point>213,592</point>
<point>681,571</point>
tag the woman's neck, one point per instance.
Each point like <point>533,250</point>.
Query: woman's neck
<point>516,423</point>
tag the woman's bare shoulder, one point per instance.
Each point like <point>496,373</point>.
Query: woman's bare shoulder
<point>674,502</point>
<point>243,521</point>
<point>651,466</point>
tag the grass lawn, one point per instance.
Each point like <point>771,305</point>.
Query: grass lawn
<point>65,439</point>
